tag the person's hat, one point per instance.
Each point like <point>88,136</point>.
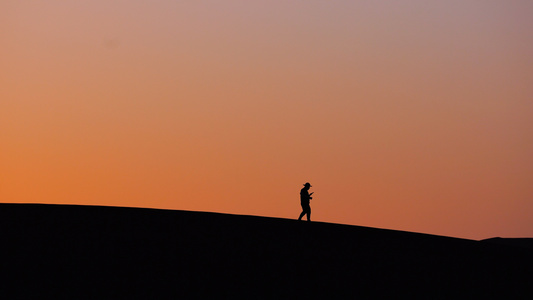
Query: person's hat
<point>307,184</point>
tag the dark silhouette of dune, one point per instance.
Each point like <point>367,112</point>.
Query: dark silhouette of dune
<point>517,242</point>
<point>77,252</point>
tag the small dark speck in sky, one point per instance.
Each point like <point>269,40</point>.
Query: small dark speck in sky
<point>111,43</point>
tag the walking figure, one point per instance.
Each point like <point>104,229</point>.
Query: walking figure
<point>304,200</point>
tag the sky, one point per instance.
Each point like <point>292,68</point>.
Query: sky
<point>409,115</point>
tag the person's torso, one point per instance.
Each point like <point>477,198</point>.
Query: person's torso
<point>304,196</point>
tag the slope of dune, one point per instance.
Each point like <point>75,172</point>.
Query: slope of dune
<point>516,242</point>
<point>75,252</point>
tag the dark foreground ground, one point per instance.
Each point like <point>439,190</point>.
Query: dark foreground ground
<point>79,252</point>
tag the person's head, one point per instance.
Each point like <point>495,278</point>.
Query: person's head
<point>307,185</point>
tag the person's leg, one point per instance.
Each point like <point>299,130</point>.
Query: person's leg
<point>309,213</point>
<point>301,215</point>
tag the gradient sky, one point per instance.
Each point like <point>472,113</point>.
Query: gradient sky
<point>407,115</point>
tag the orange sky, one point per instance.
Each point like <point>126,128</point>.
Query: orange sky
<point>410,115</point>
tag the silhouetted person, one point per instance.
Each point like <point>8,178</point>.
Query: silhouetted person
<point>304,200</point>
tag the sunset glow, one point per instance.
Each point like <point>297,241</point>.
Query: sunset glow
<point>408,115</point>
